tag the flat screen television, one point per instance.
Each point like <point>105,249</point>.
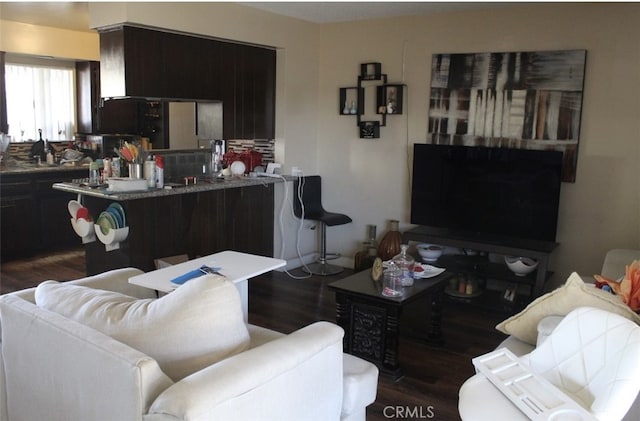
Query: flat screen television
<point>496,194</point>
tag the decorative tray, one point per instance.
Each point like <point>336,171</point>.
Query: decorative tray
<point>534,395</point>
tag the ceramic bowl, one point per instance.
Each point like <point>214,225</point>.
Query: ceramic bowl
<point>429,252</point>
<point>521,266</point>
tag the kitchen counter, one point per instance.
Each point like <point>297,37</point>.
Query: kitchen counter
<point>196,220</point>
<point>29,168</point>
<point>169,190</point>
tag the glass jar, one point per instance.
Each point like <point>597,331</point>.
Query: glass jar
<point>391,284</point>
<point>404,262</point>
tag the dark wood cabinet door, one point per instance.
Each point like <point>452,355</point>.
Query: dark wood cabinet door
<point>88,96</point>
<point>264,95</point>
<point>253,95</point>
<point>248,219</point>
<point>120,116</point>
<point>144,62</point>
<point>17,224</point>
<point>186,57</point>
<point>228,76</point>
<point>52,218</point>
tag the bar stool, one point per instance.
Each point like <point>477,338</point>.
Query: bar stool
<point>313,210</point>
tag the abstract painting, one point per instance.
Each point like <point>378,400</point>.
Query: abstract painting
<point>530,100</point>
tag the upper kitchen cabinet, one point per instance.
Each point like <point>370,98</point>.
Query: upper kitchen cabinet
<point>88,96</point>
<point>138,62</point>
<point>255,93</point>
<point>132,63</point>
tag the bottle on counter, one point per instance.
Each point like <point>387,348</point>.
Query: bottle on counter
<point>360,255</point>
<point>371,234</point>
<point>107,171</point>
<point>159,172</point>
<point>149,171</point>
<point>371,256</point>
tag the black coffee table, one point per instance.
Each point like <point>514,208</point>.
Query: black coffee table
<point>371,321</point>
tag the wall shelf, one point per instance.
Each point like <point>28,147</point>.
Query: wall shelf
<point>351,101</point>
<point>389,100</point>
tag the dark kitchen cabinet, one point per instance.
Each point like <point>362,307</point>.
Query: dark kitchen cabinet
<point>17,216</point>
<point>121,116</point>
<point>154,64</point>
<point>33,216</point>
<point>52,213</point>
<point>254,94</point>
<point>105,117</point>
<point>131,62</point>
<point>88,96</point>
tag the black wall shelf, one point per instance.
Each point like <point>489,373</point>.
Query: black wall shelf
<point>389,100</point>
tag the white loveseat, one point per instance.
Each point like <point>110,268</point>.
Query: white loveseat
<point>531,327</point>
<point>56,368</point>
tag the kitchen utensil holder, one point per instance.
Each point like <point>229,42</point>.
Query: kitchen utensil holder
<point>112,238</point>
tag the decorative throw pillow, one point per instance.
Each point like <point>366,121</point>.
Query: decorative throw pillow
<point>573,294</point>
<point>198,324</point>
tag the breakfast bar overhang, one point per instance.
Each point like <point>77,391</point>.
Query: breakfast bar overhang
<point>196,220</point>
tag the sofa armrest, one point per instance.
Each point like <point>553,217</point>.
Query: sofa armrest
<point>59,369</point>
<point>271,381</point>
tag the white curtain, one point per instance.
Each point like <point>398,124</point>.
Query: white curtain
<point>40,98</point>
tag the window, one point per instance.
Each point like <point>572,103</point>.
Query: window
<point>40,95</point>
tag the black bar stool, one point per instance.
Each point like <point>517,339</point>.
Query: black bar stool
<point>313,210</point>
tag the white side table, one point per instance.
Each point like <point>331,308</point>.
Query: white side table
<point>236,266</point>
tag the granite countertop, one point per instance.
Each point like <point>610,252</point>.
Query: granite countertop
<point>29,168</point>
<point>170,189</point>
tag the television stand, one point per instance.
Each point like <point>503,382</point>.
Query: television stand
<point>539,250</point>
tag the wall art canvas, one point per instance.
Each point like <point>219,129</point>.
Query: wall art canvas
<point>530,100</point>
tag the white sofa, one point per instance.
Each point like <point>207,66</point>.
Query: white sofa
<point>53,367</point>
<point>535,324</point>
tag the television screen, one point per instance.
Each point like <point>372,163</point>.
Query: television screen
<point>495,193</point>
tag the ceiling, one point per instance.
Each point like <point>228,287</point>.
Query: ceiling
<point>75,16</point>
<point>344,11</point>
<point>66,15</point>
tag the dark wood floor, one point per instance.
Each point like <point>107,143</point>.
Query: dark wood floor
<point>433,374</point>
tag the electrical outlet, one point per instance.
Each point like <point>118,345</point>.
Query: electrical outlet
<point>296,172</point>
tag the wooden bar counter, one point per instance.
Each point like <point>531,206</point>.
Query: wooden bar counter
<point>195,220</point>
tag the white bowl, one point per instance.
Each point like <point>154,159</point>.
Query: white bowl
<point>521,266</point>
<point>429,252</point>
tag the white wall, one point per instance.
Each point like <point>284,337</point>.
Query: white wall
<point>369,179</point>
<point>17,37</point>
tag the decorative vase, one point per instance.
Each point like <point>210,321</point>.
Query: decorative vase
<point>390,244</point>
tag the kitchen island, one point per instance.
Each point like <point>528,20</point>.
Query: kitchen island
<point>196,220</point>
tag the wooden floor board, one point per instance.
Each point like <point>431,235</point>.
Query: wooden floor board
<point>433,374</point>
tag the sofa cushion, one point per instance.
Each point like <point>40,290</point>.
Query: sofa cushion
<point>560,302</point>
<point>198,324</point>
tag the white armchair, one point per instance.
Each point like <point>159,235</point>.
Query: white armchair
<point>591,356</point>
<point>55,367</point>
